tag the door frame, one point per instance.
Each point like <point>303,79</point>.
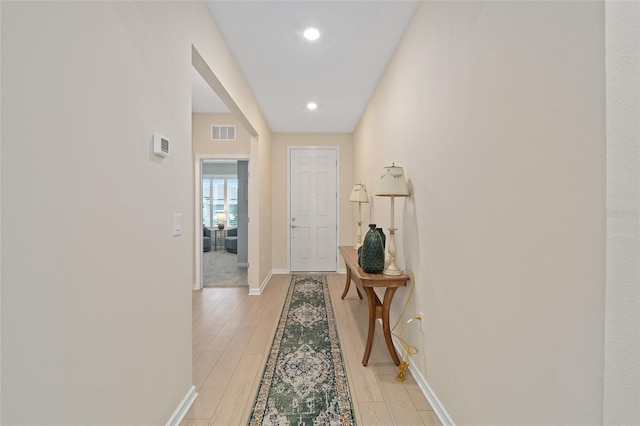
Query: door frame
<point>199,158</point>
<point>312,148</point>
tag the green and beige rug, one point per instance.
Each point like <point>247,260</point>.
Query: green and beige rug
<point>304,381</point>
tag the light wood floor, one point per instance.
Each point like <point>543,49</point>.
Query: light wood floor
<point>232,334</point>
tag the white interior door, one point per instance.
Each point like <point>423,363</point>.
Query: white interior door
<point>313,209</point>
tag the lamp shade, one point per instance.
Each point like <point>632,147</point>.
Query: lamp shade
<point>359,194</point>
<point>221,218</point>
<point>393,183</point>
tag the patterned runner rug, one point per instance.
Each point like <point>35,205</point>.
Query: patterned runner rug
<point>304,381</point>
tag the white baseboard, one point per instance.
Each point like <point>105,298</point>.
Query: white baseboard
<point>258,291</point>
<point>184,406</point>
<point>435,403</point>
<point>341,271</point>
<point>242,265</point>
<point>265,282</point>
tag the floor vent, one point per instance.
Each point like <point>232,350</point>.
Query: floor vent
<point>223,133</point>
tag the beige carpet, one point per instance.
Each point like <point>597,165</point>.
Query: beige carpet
<point>219,269</point>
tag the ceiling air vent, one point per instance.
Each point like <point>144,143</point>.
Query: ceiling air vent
<point>223,133</point>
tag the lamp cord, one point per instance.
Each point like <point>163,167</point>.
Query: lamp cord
<point>408,349</point>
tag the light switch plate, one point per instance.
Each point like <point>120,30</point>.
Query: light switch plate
<point>177,224</point>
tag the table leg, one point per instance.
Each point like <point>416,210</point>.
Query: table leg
<point>386,328</point>
<point>371,299</point>
<point>346,286</point>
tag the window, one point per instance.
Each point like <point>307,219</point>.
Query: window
<point>220,195</point>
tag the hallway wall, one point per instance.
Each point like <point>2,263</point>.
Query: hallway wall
<point>202,143</point>
<point>96,329</point>
<point>496,111</point>
<point>622,341</point>
<point>281,144</point>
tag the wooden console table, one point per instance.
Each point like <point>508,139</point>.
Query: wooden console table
<point>367,282</point>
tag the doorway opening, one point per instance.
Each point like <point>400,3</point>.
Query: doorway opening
<point>224,205</point>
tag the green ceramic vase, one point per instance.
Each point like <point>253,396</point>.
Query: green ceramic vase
<point>384,237</point>
<point>372,254</point>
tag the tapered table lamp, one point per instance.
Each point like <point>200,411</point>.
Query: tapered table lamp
<point>359,195</point>
<point>221,218</point>
<point>392,184</point>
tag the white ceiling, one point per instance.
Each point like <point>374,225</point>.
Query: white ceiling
<point>339,71</point>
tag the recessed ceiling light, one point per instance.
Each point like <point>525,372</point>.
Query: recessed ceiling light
<point>312,106</point>
<point>311,34</point>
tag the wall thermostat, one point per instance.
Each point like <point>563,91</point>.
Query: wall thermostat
<point>160,146</point>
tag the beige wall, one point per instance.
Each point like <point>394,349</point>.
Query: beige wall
<point>265,209</point>
<point>281,143</point>
<point>622,340</point>
<point>202,143</point>
<point>238,98</point>
<point>96,291</point>
<point>496,112</point>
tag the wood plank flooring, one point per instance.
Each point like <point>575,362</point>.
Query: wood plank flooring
<point>232,335</point>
